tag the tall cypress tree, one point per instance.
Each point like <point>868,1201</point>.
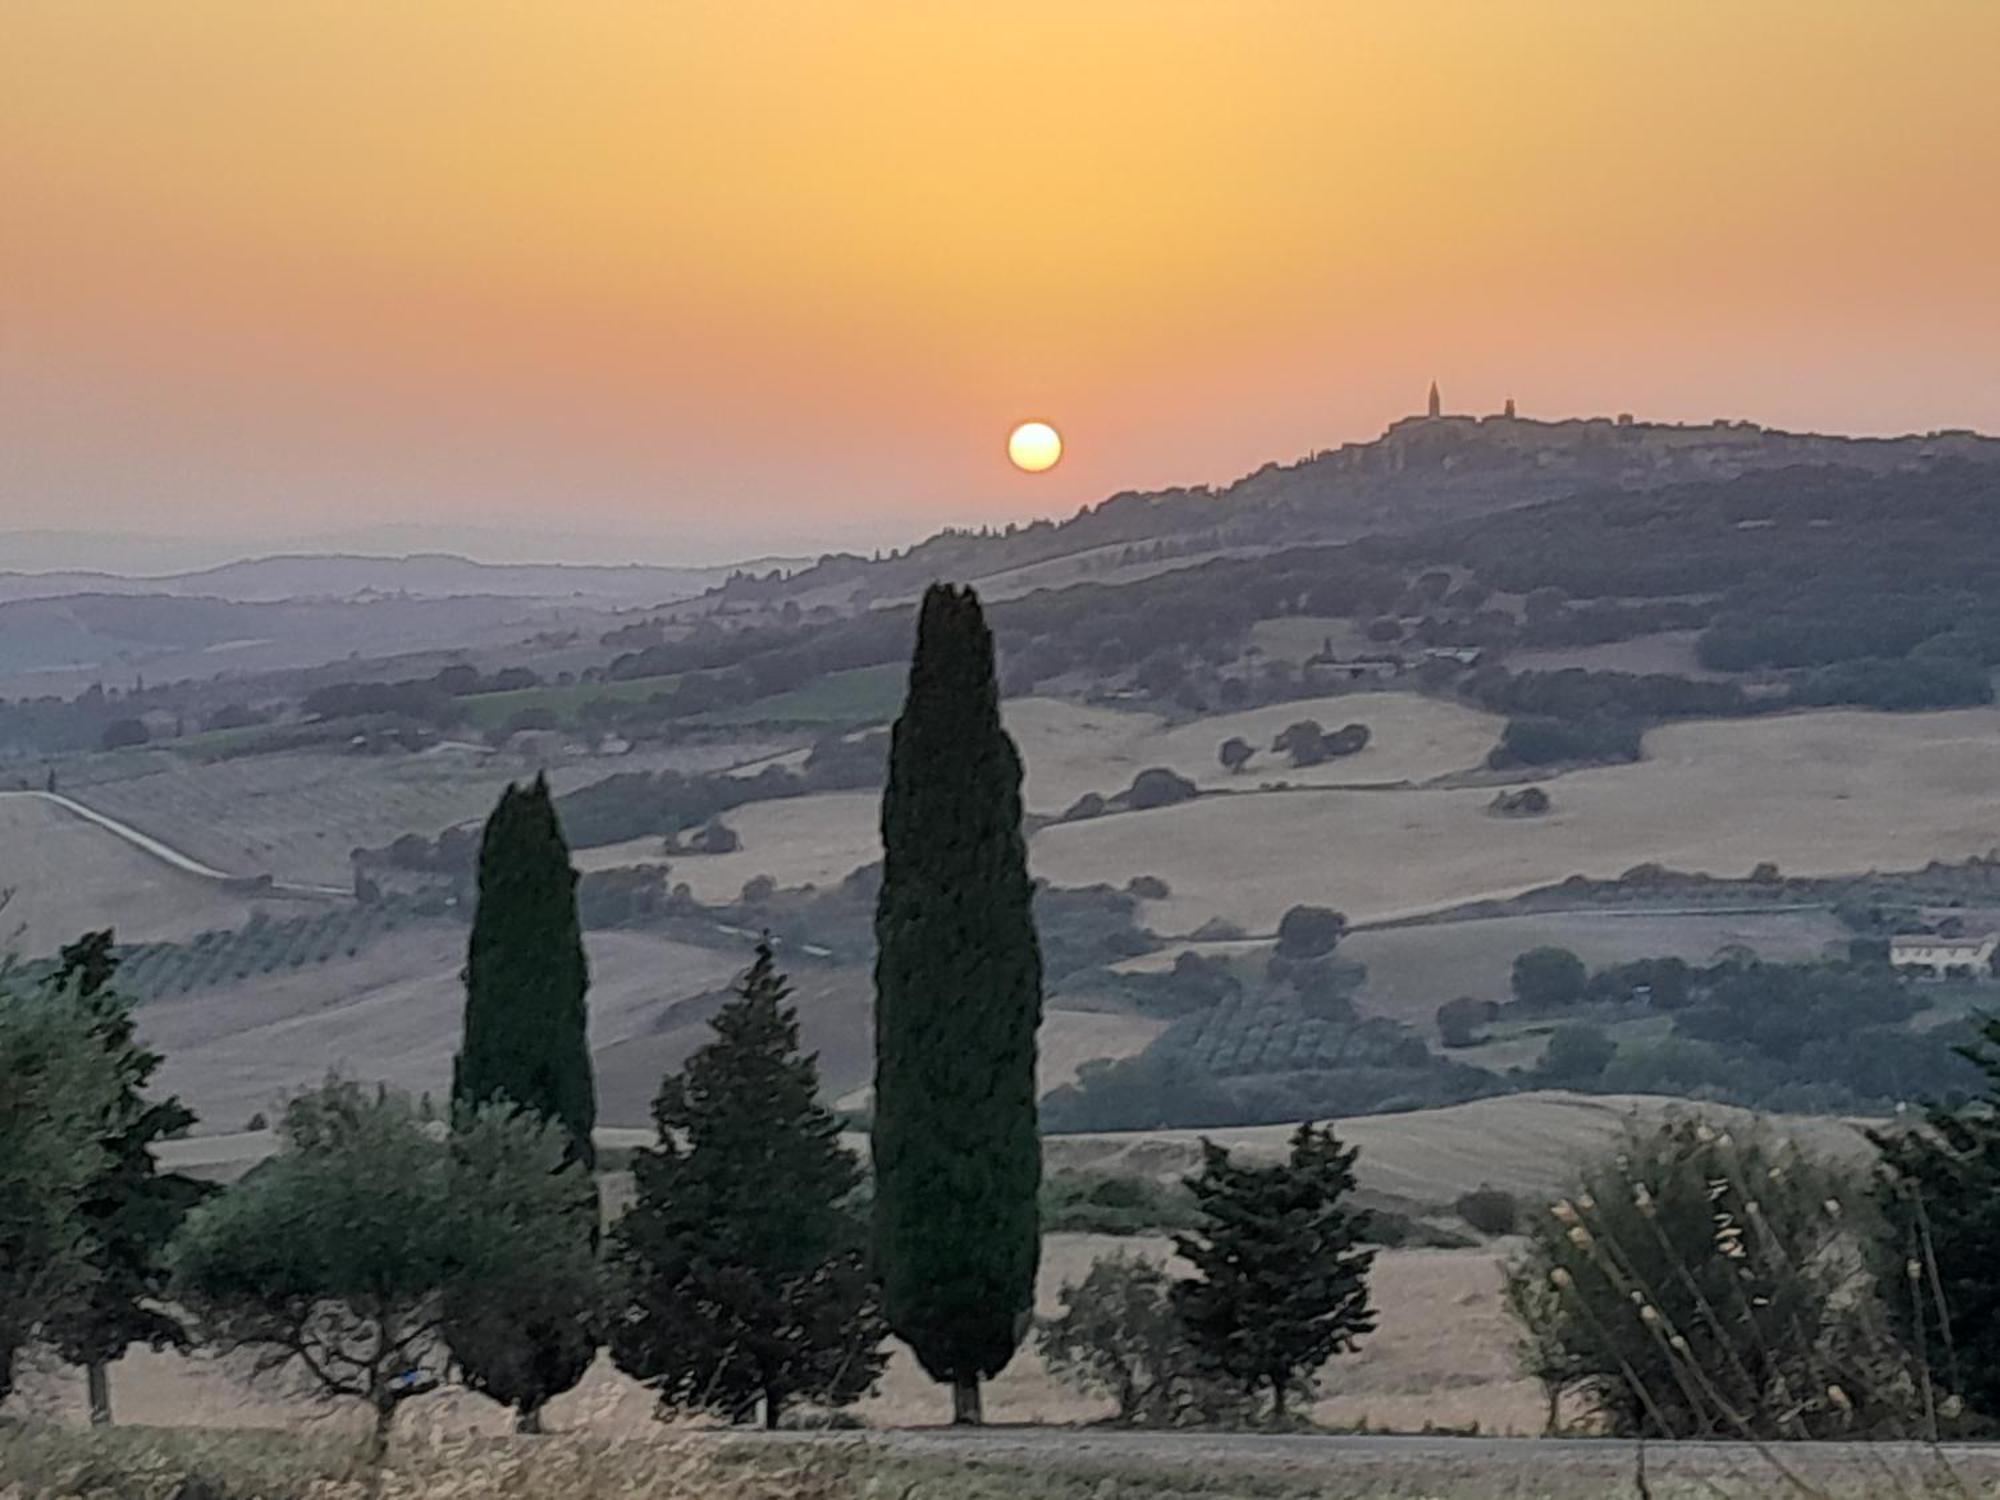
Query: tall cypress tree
<point>525,974</point>
<point>958,998</point>
<point>525,1044</point>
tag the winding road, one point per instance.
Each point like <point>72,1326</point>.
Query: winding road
<point>166,853</point>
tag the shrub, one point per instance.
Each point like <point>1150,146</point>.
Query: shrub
<point>1159,787</point>
<point>1490,1210</point>
<point>123,734</point>
<point>1528,802</point>
<point>1547,978</point>
<point>1089,805</point>
<point>1543,742</point>
<point>1576,1055</point>
<point>1304,742</point>
<point>1235,753</point>
<point>1458,1021</point>
<point>1349,739</point>
<point>1149,888</point>
<point>1700,1283</point>
<point>1310,931</point>
<point>1118,1335</point>
<point>1108,1203</point>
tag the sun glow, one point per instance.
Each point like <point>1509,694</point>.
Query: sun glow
<point>1034,446</point>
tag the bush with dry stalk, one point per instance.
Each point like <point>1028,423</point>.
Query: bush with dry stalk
<point>1938,1264</point>
<point>1707,1284</point>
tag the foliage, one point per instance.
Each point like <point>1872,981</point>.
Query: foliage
<point>1159,787</point>
<point>1458,1021</point>
<point>1119,1335</point>
<point>1528,802</point>
<point>1489,1210</point>
<point>522,1325</point>
<point>1576,1056</point>
<point>525,975</point>
<point>1281,1280</point>
<point>957,1148</point>
<point>124,734</point>
<point>61,1085</point>
<point>1309,931</point>
<point>337,1259</point>
<point>1938,1271</point>
<point>741,1263</point>
<point>1703,1284</point>
<point>130,1209</point>
<point>1545,741</point>
<point>1107,1203</point>
<point>1914,682</point>
<point>1547,978</point>
<point>1235,753</point>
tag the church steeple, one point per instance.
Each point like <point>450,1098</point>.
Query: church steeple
<point>1437,402</point>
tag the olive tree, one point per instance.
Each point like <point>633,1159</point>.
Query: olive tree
<point>336,1261</point>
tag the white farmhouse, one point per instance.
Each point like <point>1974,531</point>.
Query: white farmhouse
<point>1926,951</point>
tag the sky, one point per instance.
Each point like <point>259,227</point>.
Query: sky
<point>686,280</point>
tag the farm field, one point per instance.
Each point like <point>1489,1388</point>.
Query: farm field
<point>300,816</point>
<point>862,695</point>
<point>1819,793</point>
<point>68,876</point>
<point>1071,749</point>
<point>392,1014</point>
<point>1529,1144</point>
<point>816,840</point>
<point>1411,970</point>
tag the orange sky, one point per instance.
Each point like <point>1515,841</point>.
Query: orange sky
<point>749,275</point>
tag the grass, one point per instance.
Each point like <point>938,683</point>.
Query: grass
<point>493,710</point>
<point>1820,794</point>
<point>141,1464</point>
<point>861,695</point>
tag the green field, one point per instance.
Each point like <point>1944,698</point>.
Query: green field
<point>493,710</point>
<point>864,695</point>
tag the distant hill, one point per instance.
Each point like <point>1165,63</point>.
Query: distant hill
<point>1422,471</point>
<point>346,577</point>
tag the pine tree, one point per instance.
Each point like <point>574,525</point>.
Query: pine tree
<point>526,1045</point>
<point>741,1262</point>
<point>958,985</point>
<point>1281,1285</point>
<point>129,1209</point>
<point>525,974</point>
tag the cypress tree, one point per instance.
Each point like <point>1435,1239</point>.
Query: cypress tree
<point>525,975</point>
<point>526,1045</point>
<point>1281,1282</point>
<point>958,998</point>
<point>742,1262</point>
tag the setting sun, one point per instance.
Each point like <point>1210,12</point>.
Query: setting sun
<point>1034,446</point>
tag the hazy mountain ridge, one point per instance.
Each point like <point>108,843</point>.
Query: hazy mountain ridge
<point>343,576</point>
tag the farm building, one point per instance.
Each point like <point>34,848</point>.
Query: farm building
<point>1928,952</point>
